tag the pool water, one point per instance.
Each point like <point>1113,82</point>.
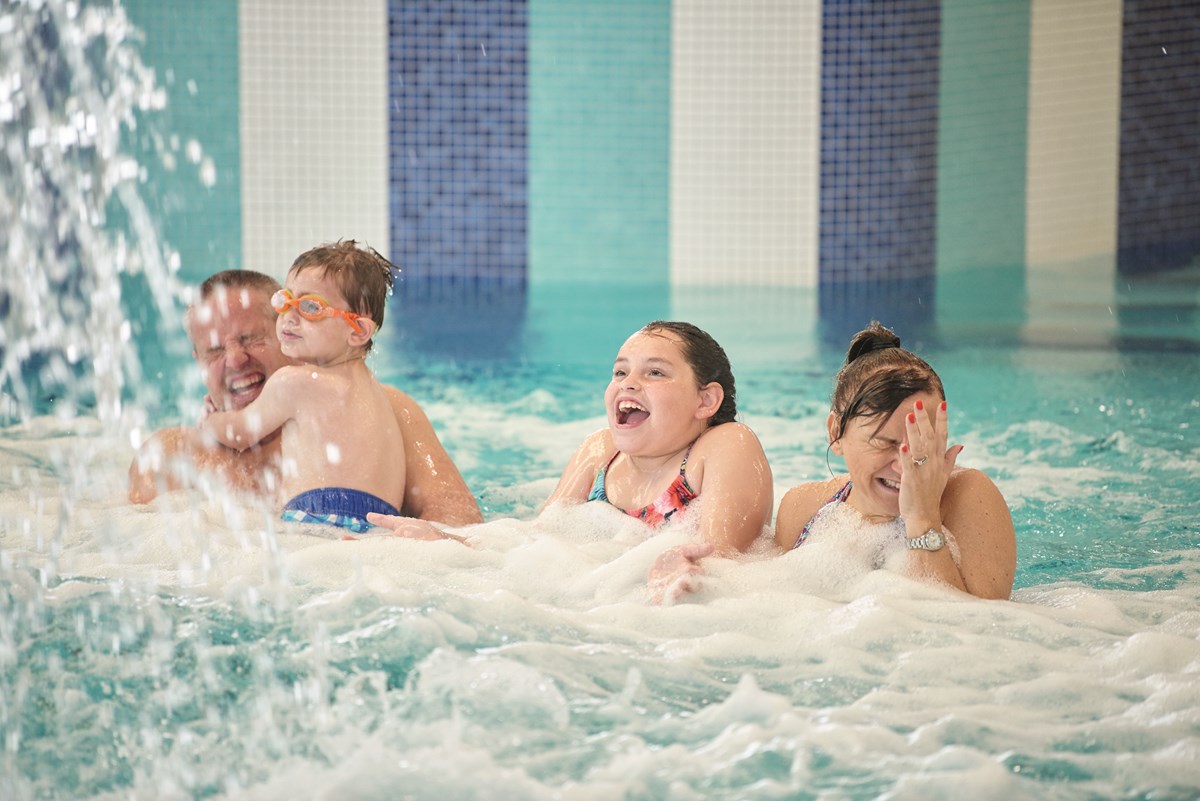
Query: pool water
<point>198,648</point>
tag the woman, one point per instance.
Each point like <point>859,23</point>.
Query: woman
<point>671,442</point>
<point>930,519</point>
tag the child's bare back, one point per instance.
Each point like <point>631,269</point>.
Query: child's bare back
<point>342,433</point>
<point>342,449</point>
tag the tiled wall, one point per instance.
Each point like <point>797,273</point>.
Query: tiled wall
<point>191,151</point>
<point>313,118</point>
<point>880,150</point>
<point>745,163</point>
<point>1159,210</point>
<point>599,128</point>
<point>1074,106</point>
<point>878,193</point>
<point>457,150</point>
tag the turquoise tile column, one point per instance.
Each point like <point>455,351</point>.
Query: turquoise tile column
<point>982,143</point>
<point>193,49</point>
<point>599,138</point>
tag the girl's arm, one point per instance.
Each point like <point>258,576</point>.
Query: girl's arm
<point>580,473</point>
<point>737,495</point>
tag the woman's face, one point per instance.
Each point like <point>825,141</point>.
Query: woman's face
<point>654,403</point>
<point>871,448</point>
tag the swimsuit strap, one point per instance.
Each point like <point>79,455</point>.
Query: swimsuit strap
<point>678,495</point>
<point>598,492</point>
<point>686,454</point>
<point>838,497</point>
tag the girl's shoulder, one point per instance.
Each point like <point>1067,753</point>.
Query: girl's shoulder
<point>596,450</point>
<point>726,437</point>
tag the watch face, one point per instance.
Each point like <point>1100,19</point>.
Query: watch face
<point>934,539</point>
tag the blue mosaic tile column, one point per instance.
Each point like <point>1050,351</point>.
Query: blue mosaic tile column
<point>1158,226</point>
<point>879,121</point>
<point>458,121</point>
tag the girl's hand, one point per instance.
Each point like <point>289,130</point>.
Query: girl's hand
<point>925,466</point>
<point>676,572</point>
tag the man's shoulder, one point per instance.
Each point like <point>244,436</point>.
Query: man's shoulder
<point>169,440</point>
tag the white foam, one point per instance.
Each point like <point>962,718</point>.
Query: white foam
<point>539,670</point>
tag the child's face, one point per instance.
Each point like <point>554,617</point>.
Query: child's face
<point>316,341</point>
<point>654,400</point>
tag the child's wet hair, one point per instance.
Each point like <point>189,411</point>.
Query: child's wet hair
<point>707,360</point>
<point>363,276</point>
<point>878,375</point>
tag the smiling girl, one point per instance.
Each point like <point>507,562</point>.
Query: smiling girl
<point>671,443</point>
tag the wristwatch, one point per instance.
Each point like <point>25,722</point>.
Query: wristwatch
<point>931,540</point>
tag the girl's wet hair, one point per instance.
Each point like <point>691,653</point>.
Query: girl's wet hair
<point>878,376</point>
<point>707,360</point>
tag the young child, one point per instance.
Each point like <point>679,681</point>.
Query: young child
<point>339,435</point>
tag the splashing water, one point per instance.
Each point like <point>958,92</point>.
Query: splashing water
<point>77,231</point>
<point>202,649</point>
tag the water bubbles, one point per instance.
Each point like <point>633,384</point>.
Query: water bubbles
<point>208,173</point>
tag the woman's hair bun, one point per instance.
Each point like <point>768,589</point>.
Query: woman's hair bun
<point>874,337</point>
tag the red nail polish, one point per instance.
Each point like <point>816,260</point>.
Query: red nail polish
<point>920,406</point>
<point>943,404</point>
<point>912,418</point>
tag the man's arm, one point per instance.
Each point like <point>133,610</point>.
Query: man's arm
<point>158,464</point>
<point>434,489</point>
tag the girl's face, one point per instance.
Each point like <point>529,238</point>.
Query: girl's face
<point>314,341</point>
<point>655,405</point>
<point>872,454</point>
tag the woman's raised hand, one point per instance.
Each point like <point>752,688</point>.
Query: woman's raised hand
<point>925,465</point>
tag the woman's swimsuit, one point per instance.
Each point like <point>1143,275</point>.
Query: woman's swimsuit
<point>674,499</point>
<point>336,506</point>
<point>838,497</point>
<point>888,537</point>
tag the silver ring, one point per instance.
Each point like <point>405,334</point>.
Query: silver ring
<point>921,461</point>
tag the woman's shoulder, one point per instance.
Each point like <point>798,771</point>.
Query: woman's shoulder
<point>812,493</point>
<point>969,491</point>
<point>799,504</point>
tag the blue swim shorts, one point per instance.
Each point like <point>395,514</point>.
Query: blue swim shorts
<point>336,506</point>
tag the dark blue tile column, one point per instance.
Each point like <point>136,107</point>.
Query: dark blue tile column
<point>1158,218</point>
<point>458,121</point>
<point>879,121</point>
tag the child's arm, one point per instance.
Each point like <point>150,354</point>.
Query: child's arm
<point>580,473</point>
<point>274,406</point>
<point>737,496</point>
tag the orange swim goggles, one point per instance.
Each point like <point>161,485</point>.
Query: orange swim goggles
<point>312,307</point>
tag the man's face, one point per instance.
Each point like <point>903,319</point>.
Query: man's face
<point>233,341</point>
